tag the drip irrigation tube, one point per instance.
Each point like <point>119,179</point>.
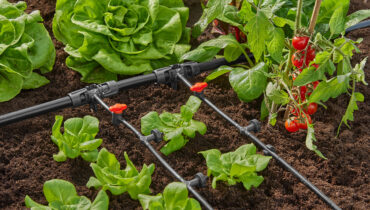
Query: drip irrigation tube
<point>363,24</point>
<point>267,149</point>
<point>199,180</point>
<point>85,95</point>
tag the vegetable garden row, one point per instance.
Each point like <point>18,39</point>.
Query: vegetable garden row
<point>106,39</point>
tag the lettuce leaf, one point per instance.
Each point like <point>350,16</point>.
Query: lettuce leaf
<point>114,37</point>
<point>25,45</point>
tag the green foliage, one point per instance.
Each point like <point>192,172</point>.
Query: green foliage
<point>110,177</point>
<point>121,37</point>
<point>78,138</point>
<point>249,84</point>
<point>176,127</point>
<point>241,165</point>
<point>175,196</point>
<point>61,194</point>
<point>25,45</point>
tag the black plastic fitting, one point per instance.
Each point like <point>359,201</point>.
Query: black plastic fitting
<point>200,180</point>
<point>271,148</point>
<point>254,126</point>
<point>86,95</point>
<point>155,136</point>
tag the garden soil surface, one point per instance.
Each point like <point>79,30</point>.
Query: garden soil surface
<point>26,149</point>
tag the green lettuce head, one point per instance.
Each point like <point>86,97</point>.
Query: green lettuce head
<point>25,45</point>
<point>127,37</point>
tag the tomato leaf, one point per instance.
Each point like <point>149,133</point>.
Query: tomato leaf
<point>249,84</point>
<point>275,94</point>
<point>257,36</point>
<point>276,45</point>
<point>337,21</point>
<point>310,139</point>
<point>356,17</point>
<point>330,89</point>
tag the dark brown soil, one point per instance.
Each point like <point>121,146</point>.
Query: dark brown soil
<point>26,148</point>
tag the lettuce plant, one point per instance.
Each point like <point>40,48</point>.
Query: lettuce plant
<point>25,45</point>
<point>78,138</point>
<point>110,177</point>
<point>109,37</point>
<point>241,165</point>
<point>61,194</point>
<point>175,196</point>
<point>176,127</point>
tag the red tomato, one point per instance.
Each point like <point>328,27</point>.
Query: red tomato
<point>302,124</point>
<point>315,84</point>
<point>297,60</point>
<point>291,125</point>
<point>311,109</point>
<point>310,54</point>
<point>303,90</point>
<point>300,42</point>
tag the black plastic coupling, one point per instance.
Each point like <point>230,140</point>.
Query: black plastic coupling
<point>271,148</point>
<point>86,95</point>
<point>168,75</point>
<point>155,136</point>
<point>200,180</point>
<point>254,126</point>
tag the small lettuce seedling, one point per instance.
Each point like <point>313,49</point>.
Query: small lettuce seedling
<point>78,138</point>
<point>110,177</point>
<point>176,127</point>
<point>175,196</point>
<point>241,165</point>
<point>61,194</point>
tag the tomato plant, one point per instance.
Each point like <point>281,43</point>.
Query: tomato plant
<point>301,56</point>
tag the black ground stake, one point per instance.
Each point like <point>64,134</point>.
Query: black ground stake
<point>267,149</point>
<point>199,180</point>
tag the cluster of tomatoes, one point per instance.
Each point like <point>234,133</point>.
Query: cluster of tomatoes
<point>301,59</point>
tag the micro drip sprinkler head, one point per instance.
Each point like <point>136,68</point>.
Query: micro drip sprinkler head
<point>254,125</point>
<point>198,87</point>
<point>200,180</point>
<point>118,108</point>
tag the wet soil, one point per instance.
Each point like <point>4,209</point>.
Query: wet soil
<point>26,148</point>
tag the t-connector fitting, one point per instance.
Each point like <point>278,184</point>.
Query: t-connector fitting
<point>200,180</point>
<point>155,136</point>
<point>254,125</point>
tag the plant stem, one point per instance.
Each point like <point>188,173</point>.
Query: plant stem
<point>298,16</point>
<point>314,16</point>
<point>297,26</point>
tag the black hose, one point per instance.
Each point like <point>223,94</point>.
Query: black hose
<point>35,110</point>
<point>260,144</point>
<point>363,24</point>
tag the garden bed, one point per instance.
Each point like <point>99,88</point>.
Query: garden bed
<point>26,149</point>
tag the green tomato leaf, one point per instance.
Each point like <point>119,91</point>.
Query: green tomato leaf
<point>337,21</point>
<point>218,72</point>
<point>310,139</point>
<point>357,17</point>
<point>249,84</point>
<point>276,45</point>
<point>275,94</point>
<point>330,89</point>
